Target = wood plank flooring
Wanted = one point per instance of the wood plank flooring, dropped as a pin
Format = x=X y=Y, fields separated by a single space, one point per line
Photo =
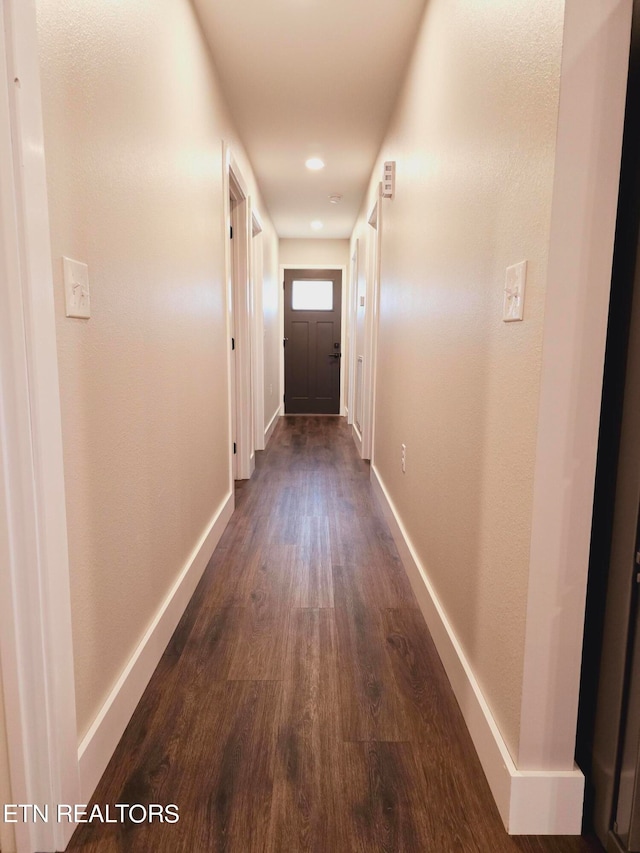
x=301 y=705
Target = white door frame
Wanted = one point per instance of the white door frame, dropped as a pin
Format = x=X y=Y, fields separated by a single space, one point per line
x=35 y=612
x=352 y=332
x=257 y=311
x=7 y=835
x=372 y=304
x=239 y=308
x=343 y=324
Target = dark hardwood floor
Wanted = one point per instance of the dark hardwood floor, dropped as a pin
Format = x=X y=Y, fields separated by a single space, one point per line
x=301 y=705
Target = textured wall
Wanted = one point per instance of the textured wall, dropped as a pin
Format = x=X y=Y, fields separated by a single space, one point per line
x=474 y=140
x=315 y=252
x=134 y=123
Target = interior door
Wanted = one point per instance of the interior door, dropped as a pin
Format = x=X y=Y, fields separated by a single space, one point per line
x=627 y=816
x=609 y=717
x=312 y=327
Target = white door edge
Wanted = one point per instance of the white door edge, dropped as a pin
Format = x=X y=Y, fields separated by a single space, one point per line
x=35 y=611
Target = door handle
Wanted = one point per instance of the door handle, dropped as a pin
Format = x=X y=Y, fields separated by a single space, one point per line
x=335 y=355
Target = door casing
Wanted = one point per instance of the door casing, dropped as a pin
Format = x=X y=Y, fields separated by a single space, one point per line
x=345 y=356
x=349 y=346
x=363 y=433
x=321 y=366
x=257 y=313
x=35 y=611
x=240 y=319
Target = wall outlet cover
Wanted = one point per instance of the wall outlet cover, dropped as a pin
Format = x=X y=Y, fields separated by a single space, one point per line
x=513 y=302
x=76 y=288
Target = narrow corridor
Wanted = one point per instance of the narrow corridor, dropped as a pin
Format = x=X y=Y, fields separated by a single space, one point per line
x=301 y=704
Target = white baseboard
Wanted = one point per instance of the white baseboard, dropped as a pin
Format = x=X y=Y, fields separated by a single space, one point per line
x=273 y=423
x=541 y=802
x=100 y=742
x=357 y=439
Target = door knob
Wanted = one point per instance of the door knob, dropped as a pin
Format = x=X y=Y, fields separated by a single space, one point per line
x=335 y=354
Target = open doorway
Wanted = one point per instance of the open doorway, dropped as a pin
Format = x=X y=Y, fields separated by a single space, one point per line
x=609 y=721
x=609 y=713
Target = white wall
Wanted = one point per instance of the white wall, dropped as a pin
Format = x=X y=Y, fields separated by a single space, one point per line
x=314 y=252
x=134 y=123
x=500 y=420
x=474 y=142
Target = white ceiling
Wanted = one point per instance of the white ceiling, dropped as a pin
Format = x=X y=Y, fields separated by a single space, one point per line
x=310 y=78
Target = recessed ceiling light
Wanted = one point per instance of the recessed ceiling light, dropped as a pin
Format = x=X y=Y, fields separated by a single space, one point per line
x=316 y=225
x=314 y=163
x=335 y=199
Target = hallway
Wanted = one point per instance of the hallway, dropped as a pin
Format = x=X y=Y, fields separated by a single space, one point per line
x=300 y=704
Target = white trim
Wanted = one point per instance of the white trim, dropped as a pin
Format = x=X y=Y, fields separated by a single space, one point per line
x=343 y=338
x=7 y=834
x=231 y=165
x=273 y=423
x=352 y=310
x=228 y=290
x=256 y=222
x=100 y=742
x=35 y=613
x=256 y=256
x=343 y=320
x=240 y=321
x=357 y=438
x=281 y=341
x=530 y=802
x=589 y=142
x=371 y=324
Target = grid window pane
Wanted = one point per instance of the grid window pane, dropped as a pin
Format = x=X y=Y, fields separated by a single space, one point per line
x=312 y=295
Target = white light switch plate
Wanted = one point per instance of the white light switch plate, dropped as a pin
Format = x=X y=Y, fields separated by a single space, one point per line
x=76 y=288
x=513 y=304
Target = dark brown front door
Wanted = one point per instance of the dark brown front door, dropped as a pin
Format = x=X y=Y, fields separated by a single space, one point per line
x=312 y=314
